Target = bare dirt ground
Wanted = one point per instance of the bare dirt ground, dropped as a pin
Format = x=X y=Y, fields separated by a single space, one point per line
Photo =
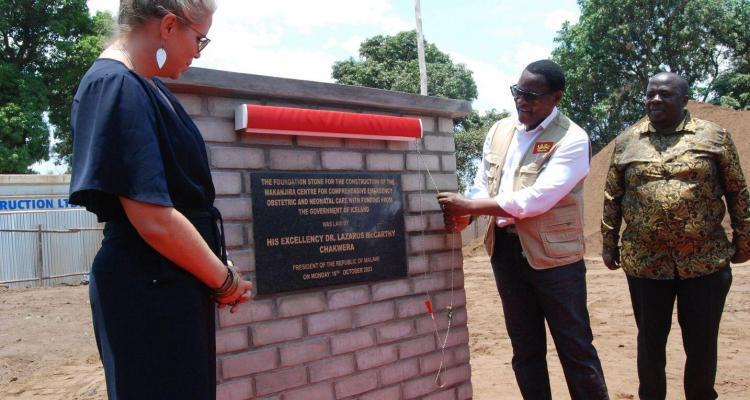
x=47 y=346
x=614 y=337
x=47 y=349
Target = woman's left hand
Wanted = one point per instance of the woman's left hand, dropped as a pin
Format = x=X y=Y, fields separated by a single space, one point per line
x=242 y=294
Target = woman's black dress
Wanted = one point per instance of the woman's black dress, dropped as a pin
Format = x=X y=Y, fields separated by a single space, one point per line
x=154 y=322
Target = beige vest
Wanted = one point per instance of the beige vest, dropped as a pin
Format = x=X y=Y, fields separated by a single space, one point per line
x=554 y=238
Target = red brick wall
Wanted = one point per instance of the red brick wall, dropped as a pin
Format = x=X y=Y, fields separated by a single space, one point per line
x=369 y=340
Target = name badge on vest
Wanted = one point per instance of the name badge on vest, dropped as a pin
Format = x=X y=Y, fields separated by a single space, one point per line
x=542 y=147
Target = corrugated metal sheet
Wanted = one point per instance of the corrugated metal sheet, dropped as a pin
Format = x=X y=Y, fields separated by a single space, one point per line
x=47 y=247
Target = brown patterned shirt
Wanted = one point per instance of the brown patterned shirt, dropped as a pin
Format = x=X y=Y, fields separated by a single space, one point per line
x=668 y=188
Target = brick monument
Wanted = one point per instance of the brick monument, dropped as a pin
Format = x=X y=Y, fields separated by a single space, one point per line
x=367 y=340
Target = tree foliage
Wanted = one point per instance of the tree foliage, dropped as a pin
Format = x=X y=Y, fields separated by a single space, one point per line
x=732 y=87
x=470 y=134
x=390 y=62
x=45 y=49
x=65 y=71
x=609 y=55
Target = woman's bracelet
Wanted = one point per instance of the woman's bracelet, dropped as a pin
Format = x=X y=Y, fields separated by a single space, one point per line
x=227 y=281
x=230 y=284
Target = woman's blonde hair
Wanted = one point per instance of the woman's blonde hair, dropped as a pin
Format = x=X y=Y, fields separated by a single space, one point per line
x=134 y=13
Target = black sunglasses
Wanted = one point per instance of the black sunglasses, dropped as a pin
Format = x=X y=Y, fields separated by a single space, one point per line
x=516 y=92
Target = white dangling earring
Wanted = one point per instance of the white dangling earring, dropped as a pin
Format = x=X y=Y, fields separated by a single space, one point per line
x=161 y=57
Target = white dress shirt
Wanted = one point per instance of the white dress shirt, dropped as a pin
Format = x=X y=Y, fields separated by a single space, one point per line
x=566 y=167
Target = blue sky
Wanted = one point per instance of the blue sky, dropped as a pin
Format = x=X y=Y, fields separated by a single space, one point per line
x=302 y=39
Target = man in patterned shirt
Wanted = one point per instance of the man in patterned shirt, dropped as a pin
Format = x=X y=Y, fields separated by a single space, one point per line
x=667 y=178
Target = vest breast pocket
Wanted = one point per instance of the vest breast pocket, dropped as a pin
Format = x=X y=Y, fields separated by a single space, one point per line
x=527 y=174
x=561 y=232
x=494 y=170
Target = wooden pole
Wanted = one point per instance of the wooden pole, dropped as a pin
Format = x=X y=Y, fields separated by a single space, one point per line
x=420 y=50
x=39 y=257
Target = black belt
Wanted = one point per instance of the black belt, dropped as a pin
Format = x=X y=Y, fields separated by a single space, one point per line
x=215 y=216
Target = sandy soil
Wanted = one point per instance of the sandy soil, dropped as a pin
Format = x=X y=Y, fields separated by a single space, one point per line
x=614 y=337
x=47 y=346
x=47 y=349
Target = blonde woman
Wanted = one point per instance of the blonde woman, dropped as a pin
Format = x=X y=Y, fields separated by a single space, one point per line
x=139 y=164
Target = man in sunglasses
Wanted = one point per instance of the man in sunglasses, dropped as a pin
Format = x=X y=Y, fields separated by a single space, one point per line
x=530 y=182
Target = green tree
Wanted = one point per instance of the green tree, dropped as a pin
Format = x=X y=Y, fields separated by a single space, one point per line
x=23 y=132
x=470 y=134
x=390 y=62
x=46 y=47
x=609 y=55
x=65 y=70
x=732 y=87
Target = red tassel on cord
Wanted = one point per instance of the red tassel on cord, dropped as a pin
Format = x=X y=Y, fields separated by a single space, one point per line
x=428 y=305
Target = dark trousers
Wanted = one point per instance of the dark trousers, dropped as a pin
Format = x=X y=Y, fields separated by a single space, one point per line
x=557 y=295
x=700 y=302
